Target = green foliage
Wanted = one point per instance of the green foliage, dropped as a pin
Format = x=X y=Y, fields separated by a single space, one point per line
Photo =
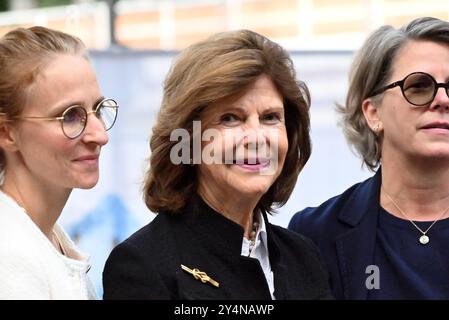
x=4 y=5
x=52 y=3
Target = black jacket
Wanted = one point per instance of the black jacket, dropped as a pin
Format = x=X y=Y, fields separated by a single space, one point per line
x=148 y=264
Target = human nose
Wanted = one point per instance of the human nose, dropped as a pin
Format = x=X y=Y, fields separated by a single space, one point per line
x=95 y=130
x=254 y=134
x=441 y=99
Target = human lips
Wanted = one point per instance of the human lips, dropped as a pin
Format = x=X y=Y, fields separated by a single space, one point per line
x=252 y=164
x=88 y=159
x=438 y=127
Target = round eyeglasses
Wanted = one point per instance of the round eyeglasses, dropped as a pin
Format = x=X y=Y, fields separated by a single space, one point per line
x=74 y=119
x=418 y=88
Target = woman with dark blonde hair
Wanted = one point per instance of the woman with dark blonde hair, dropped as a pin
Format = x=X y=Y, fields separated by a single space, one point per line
x=231 y=137
x=53 y=123
x=386 y=238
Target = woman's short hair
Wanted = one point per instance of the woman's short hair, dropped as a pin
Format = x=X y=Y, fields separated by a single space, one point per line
x=23 y=53
x=371 y=68
x=219 y=68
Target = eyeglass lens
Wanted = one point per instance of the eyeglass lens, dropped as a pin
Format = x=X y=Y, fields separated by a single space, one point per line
x=107 y=113
x=74 y=121
x=75 y=118
x=419 y=88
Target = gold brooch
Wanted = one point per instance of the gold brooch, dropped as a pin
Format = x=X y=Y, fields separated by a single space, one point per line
x=200 y=275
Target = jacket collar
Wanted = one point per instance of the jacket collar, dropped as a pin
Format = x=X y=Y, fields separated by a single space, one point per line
x=355 y=247
x=223 y=234
x=363 y=201
x=225 y=237
x=218 y=230
x=212 y=227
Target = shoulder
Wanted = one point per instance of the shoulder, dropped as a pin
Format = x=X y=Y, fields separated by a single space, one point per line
x=303 y=261
x=326 y=215
x=288 y=236
x=139 y=267
x=150 y=239
x=19 y=239
x=151 y=234
x=22 y=269
x=289 y=239
x=25 y=261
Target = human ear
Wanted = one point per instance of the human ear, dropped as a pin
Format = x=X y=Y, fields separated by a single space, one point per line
x=372 y=115
x=7 y=137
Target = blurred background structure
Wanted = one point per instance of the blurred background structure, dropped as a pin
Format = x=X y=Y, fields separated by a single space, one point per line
x=133 y=43
x=174 y=24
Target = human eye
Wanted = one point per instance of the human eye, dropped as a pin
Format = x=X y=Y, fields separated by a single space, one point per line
x=74 y=114
x=229 y=119
x=418 y=83
x=419 y=86
x=272 y=117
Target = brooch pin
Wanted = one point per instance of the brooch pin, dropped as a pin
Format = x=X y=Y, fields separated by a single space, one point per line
x=200 y=275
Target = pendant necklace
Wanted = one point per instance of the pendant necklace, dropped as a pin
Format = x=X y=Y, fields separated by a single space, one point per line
x=424 y=238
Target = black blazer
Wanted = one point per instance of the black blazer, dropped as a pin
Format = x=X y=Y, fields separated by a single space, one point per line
x=344 y=229
x=148 y=264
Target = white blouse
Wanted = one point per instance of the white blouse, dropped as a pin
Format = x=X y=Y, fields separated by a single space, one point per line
x=31 y=267
x=260 y=252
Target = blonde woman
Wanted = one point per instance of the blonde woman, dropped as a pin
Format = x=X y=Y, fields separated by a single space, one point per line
x=53 y=124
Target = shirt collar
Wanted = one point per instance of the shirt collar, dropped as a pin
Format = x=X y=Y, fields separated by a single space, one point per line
x=262 y=231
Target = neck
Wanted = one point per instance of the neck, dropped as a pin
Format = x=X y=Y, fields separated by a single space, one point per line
x=239 y=209
x=422 y=193
x=42 y=202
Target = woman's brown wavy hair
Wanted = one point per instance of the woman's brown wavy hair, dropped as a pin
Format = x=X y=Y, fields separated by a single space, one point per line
x=222 y=67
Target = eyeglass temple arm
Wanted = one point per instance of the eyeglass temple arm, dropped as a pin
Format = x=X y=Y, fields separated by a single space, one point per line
x=391 y=85
x=60 y=118
x=93 y=111
x=40 y=118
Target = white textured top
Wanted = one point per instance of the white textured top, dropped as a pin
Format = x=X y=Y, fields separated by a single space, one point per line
x=260 y=252
x=31 y=267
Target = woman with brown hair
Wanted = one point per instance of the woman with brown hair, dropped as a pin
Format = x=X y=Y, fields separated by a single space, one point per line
x=53 y=123
x=243 y=120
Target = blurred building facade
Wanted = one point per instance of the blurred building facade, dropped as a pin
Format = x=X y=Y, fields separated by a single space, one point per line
x=174 y=24
x=100 y=218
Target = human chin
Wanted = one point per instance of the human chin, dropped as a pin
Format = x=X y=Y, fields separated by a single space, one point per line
x=437 y=150
x=252 y=184
x=87 y=181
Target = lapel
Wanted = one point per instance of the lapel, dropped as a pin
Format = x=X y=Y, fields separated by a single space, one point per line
x=281 y=283
x=212 y=243
x=281 y=266
x=355 y=248
x=216 y=232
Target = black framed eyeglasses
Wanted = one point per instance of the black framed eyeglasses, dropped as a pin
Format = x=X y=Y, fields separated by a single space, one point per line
x=74 y=119
x=418 y=88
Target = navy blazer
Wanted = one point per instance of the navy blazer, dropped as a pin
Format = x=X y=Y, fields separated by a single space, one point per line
x=344 y=229
x=148 y=264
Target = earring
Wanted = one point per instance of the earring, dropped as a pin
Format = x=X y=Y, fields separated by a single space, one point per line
x=377 y=128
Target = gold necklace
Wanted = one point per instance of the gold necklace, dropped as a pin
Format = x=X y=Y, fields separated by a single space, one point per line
x=424 y=238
